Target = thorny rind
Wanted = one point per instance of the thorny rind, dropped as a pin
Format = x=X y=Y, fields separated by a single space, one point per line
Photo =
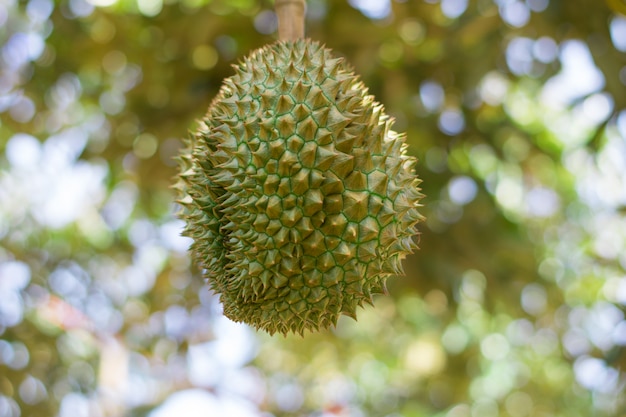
x=300 y=199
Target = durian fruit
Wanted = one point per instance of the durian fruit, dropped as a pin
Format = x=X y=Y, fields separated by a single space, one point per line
x=299 y=197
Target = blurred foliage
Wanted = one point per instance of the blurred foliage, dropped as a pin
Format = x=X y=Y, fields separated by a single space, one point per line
x=514 y=306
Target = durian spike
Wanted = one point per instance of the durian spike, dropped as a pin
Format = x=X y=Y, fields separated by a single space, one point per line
x=290 y=19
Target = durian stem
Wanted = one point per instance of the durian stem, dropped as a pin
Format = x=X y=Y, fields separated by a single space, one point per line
x=290 y=19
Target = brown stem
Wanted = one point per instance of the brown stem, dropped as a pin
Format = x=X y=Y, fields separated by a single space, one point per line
x=290 y=19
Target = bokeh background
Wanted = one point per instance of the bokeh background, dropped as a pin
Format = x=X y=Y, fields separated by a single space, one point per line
x=514 y=305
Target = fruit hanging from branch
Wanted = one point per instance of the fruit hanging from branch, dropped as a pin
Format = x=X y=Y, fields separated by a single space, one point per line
x=300 y=199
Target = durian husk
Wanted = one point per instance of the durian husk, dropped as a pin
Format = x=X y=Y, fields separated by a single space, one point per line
x=300 y=199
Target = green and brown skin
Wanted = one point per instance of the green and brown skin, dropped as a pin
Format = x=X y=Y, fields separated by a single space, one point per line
x=300 y=199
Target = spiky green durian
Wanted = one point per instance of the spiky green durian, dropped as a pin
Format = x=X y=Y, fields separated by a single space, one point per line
x=300 y=199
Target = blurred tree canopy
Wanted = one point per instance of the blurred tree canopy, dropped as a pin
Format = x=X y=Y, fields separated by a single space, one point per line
x=514 y=305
